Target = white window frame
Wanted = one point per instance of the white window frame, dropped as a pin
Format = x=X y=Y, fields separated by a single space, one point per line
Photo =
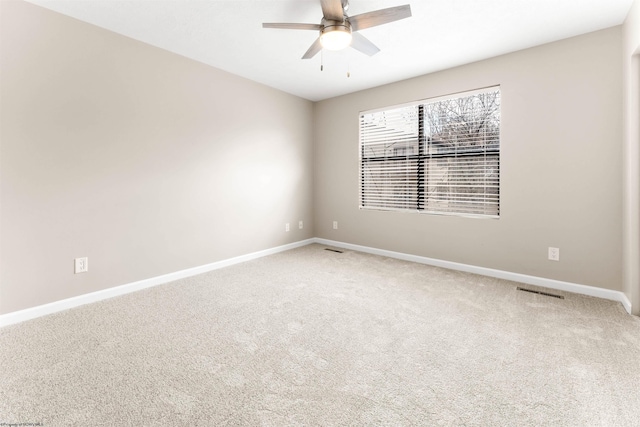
x=436 y=156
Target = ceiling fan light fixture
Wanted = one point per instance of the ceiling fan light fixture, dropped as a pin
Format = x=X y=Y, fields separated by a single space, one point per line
x=336 y=37
x=338 y=31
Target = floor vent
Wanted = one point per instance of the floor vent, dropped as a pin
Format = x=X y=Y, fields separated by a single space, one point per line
x=547 y=294
x=332 y=250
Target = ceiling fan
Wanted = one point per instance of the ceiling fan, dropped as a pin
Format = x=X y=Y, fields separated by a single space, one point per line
x=337 y=30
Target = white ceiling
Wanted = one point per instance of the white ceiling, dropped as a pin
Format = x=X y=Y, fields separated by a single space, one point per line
x=228 y=34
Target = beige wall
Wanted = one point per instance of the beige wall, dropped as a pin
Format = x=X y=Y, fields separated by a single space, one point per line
x=631 y=155
x=144 y=161
x=560 y=166
x=149 y=163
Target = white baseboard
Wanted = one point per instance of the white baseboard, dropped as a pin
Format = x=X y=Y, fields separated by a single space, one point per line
x=516 y=277
x=54 y=307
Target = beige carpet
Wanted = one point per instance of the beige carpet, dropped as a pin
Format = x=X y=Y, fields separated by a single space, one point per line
x=317 y=338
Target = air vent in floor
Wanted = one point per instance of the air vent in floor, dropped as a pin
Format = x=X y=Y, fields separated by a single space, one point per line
x=547 y=294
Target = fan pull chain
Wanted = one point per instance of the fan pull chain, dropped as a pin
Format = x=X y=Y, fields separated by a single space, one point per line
x=322 y=60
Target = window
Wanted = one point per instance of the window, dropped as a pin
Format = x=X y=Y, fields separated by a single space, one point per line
x=434 y=156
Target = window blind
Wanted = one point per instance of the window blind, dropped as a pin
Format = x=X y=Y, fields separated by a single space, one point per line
x=433 y=156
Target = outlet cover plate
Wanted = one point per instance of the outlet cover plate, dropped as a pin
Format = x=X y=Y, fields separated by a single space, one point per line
x=81 y=265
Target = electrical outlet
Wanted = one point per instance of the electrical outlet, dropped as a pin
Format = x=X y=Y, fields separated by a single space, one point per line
x=81 y=265
x=335 y=225
x=554 y=254
x=300 y=224
x=286 y=227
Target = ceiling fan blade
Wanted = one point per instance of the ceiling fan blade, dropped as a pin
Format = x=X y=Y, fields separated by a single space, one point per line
x=362 y=44
x=379 y=17
x=332 y=9
x=285 y=26
x=315 y=48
